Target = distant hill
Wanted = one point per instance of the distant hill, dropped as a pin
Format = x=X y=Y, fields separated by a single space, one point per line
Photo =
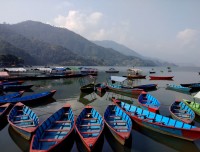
x=41 y=53
x=7 y=49
x=52 y=45
x=76 y=43
x=118 y=47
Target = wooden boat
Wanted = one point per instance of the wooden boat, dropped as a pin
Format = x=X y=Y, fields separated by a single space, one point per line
x=134 y=73
x=180 y=111
x=123 y=89
x=178 y=88
x=161 y=77
x=12 y=95
x=30 y=99
x=4 y=109
x=149 y=102
x=54 y=131
x=89 y=88
x=11 y=82
x=118 y=122
x=112 y=70
x=16 y=87
x=194 y=86
x=146 y=87
x=23 y=120
x=89 y=127
x=100 y=87
x=159 y=123
x=194 y=105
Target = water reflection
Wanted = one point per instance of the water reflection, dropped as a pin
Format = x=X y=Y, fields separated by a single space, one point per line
x=175 y=143
x=87 y=98
x=115 y=145
x=22 y=143
x=3 y=123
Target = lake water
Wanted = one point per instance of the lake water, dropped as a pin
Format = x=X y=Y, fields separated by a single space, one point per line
x=68 y=91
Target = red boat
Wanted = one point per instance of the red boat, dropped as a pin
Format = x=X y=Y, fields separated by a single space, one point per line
x=161 y=77
x=160 y=123
x=89 y=126
x=23 y=120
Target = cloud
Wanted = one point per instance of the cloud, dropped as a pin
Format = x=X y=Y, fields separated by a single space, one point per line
x=189 y=36
x=94 y=26
x=79 y=22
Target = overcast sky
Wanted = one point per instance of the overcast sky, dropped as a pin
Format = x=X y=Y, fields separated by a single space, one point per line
x=164 y=29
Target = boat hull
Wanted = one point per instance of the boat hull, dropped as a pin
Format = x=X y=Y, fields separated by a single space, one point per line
x=159 y=123
x=161 y=77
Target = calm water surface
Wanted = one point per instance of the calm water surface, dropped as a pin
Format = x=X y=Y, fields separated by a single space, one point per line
x=68 y=91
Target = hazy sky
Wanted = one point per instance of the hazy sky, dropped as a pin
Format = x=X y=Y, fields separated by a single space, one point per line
x=164 y=29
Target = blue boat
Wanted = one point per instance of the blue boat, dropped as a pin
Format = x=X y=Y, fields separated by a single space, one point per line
x=16 y=87
x=30 y=99
x=4 y=109
x=89 y=127
x=178 y=88
x=148 y=102
x=23 y=120
x=180 y=111
x=54 y=131
x=118 y=122
x=12 y=95
x=160 y=123
x=11 y=82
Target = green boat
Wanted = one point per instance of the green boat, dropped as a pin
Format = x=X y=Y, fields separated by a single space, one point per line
x=194 y=105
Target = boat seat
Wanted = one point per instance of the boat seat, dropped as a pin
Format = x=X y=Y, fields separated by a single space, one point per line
x=29 y=120
x=89 y=125
x=22 y=115
x=113 y=122
x=115 y=116
x=65 y=121
x=49 y=140
x=120 y=128
x=92 y=132
x=90 y=119
x=25 y=126
x=57 y=130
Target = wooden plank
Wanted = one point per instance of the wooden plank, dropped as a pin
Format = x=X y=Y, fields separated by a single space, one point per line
x=115 y=116
x=29 y=120
x=57 y=130
x=21 y=116
x=90 y=119
x=121 y=128
x=50 y=140
x=87 y=125
x=90 y=132
x=117 y=121
x=64 y=121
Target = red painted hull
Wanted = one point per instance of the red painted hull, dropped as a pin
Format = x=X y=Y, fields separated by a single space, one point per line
x=161 y=77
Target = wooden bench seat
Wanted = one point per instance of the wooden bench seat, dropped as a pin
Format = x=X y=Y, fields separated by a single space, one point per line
x=49 y=140
x=64 y=121
x=29 y=120
x=87 y=125
x=90 y=132
x=22 y=116
x=57 y=130
x=90 y=119
x=117 y=122
x=121 y=128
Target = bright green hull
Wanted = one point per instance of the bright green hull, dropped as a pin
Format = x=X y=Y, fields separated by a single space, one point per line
x=193 y=105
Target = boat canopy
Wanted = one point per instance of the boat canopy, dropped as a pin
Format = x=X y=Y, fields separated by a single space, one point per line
x=117 y=78
x=197 y=95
